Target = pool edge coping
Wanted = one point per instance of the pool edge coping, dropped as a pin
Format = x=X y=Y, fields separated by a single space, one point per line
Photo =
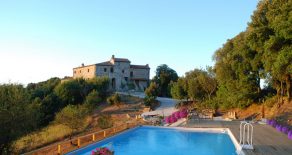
x=238 y=148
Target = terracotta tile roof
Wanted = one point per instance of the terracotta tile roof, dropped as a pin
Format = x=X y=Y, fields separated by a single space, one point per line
x=121 y=60
x=107 y=63
x=140 y=66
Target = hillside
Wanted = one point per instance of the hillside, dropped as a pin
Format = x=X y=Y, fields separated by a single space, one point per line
x=282 y=113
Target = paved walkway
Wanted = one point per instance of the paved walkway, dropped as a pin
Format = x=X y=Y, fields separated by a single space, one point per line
x=267 y=140
x=166 y=108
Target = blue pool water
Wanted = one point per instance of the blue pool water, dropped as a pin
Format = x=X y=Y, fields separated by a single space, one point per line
x=164 y=141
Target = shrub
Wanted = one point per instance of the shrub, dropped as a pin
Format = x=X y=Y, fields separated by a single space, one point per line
x=114 y=99
x=290 y=134
x=272 y=123
x=148 y=100
x=183 y=113
x=73 y=116
x=102 y=151
x=93 y=98
x=285 y=129
x=105 y=121
x=177 y=115
x=167 y=119
x=173 y=119
x=279 y=128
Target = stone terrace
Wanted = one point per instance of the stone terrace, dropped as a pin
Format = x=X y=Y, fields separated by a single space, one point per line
x=267 y=140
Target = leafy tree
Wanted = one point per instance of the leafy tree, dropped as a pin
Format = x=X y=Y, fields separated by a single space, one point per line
x=17 y=116
x=208 y=82
x=164 y=76
x=179 y=89
x=194 y=89
x=42 y=89
x=238 y=79
x=73 y=116
x=269 y=34
x=93 y=98
x=50 y=105
x=69 y=92
x=152 y=90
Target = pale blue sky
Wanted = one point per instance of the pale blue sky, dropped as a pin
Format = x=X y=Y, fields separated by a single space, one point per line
x=40 y=39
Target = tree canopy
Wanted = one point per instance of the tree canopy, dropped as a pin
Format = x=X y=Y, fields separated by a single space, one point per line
x=164 y=76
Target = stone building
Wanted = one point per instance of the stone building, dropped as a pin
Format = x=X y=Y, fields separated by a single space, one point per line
x=121 y=73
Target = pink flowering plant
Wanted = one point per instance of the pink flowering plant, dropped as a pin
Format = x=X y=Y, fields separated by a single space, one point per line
x=102 y=151
x=176 y=116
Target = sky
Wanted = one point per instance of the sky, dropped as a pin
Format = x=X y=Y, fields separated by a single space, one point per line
x=48 y=38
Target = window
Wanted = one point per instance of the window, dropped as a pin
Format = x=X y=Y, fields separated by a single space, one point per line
x=104 y=69
x=123 y=71
x=131 y=74
x=80 y=71
x=74 y=72
x=126 y=79
x=112 y=70
x=87 y=70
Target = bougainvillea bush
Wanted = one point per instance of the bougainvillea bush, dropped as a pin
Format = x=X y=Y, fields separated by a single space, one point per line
x=176 y=116
x=102 y=151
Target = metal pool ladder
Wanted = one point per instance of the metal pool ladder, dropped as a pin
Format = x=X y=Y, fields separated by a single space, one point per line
x=246 y=135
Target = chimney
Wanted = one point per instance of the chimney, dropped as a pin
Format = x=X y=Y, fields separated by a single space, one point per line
x=113 y=56
x=82 y=65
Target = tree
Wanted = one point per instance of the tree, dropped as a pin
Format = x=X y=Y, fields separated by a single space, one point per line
x=194 y=89
x=73 y=116
x=152 y=90
x=179 y=89
x=17 y=116
x=237 y=75
x=164 y=76
x=93 y=98
x=69 y=92
x=208 y=82
x=269 y=34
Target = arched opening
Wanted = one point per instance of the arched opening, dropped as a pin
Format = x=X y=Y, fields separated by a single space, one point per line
x=113 y=83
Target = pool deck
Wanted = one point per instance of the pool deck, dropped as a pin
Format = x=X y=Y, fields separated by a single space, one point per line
x=267 y=140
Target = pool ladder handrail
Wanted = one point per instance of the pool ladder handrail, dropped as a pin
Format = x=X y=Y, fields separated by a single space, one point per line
x=246 y=135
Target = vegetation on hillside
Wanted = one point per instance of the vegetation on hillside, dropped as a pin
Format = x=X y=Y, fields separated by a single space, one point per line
x=261 y=52
x=27 y=109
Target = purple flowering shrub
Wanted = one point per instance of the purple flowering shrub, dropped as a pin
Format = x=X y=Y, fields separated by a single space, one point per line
x=279 y=128
x=290 y=134
x=272 y=123
x=285 y=129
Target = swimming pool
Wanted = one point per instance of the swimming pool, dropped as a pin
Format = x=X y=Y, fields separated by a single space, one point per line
x=146 y=140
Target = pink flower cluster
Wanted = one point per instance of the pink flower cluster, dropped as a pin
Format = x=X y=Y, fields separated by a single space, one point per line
x=102 y=151
x=176 y=116
x=280 y=128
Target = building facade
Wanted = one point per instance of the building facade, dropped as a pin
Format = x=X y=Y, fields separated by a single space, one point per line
x=121 y=73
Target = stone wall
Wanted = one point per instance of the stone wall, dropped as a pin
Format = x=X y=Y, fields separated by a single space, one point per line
x=86 y=72
x=119 y=71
